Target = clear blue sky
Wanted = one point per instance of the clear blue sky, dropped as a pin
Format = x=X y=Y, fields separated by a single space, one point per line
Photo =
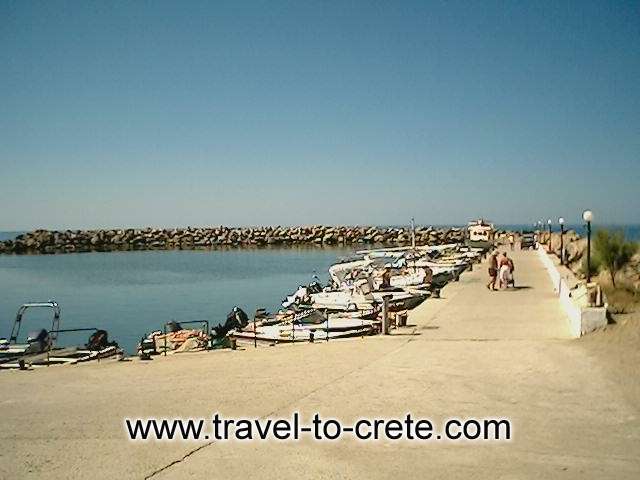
x=243 y=113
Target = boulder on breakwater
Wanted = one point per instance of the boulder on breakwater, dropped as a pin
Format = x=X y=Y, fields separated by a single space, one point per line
x=191 y=238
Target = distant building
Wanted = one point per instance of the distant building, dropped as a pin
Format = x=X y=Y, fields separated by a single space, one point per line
x=480 y=233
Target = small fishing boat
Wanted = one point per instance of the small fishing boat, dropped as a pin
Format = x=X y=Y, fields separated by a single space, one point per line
x=344 y=300
x=308 y=326
x=40 y=347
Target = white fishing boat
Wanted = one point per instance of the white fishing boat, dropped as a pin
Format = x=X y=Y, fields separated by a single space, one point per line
x=346 y=300
x=316 y=326
x=40 y=348
x=340 y=271
x=417 y=277
x=341 y=300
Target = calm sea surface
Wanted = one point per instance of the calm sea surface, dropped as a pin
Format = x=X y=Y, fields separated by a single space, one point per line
x=130 y=293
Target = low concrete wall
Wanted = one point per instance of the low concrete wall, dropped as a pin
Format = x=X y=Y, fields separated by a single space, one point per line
x=582 y=319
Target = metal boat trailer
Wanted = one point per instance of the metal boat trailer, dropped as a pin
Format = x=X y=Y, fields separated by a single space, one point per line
x=58 y=356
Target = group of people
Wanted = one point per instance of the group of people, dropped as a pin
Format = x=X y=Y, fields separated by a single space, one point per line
x=501 y=269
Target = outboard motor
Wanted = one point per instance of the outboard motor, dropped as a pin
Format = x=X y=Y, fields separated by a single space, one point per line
x=99 y=340
x=314 y=287
x=38 y=341
x=236 y=318
x=173 y=326
x=239 y=317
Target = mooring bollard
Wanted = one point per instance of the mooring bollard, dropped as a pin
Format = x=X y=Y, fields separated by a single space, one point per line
x=385 y=314
x=327 y=317
x=165 y=339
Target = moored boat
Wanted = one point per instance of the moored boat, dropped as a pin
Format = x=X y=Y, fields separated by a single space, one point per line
x=41 y=349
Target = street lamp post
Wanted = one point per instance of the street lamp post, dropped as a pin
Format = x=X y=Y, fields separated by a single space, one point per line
x=561 y=222
x=549 y=243
x=587 y=216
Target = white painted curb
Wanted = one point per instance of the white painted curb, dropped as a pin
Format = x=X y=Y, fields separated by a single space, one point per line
x=582 y=320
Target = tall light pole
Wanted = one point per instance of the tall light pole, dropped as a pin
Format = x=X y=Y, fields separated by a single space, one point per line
x=549 y=242
x=561 y=222
x=587 y=216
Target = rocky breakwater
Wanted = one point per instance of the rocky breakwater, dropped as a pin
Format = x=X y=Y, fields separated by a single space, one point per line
x=68 y=241
x=574 y=245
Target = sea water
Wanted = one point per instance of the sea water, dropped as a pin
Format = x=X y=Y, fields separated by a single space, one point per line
x=131 y=293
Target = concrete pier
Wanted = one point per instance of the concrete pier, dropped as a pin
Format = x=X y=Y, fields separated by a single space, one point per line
x=472 y=353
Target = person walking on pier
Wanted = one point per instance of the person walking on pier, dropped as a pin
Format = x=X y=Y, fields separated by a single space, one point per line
x=505 y=271
x=493 y=271
x=512 y=267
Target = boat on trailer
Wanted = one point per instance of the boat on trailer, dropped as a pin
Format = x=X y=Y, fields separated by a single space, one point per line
x=341 y=300
x=307 y=326
x=40 y=348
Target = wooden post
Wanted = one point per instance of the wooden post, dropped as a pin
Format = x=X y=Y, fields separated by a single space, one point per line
x=165 y=339
x=385 y=314
x=326 y=314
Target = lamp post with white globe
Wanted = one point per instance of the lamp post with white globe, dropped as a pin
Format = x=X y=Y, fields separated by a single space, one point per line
x=587 y=216
x=561 y=222
x=549 y=242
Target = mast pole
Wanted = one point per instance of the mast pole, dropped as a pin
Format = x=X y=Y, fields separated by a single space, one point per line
x=413 y=233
